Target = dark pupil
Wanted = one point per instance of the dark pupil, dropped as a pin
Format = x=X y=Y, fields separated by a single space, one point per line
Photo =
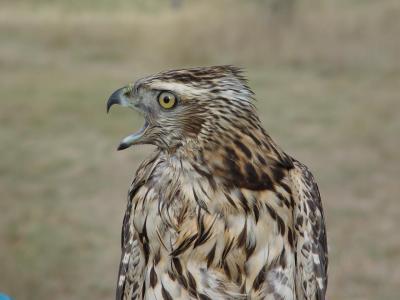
x=166 y=99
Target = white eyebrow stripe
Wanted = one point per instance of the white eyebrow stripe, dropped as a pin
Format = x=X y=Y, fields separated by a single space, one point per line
x=177 y=87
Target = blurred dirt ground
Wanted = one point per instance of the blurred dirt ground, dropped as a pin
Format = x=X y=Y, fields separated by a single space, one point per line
x=327 y=79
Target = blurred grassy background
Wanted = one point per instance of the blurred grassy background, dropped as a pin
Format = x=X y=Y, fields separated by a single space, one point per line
x=327 y=79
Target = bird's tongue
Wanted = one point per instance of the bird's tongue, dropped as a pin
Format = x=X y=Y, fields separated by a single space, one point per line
x=133 y=138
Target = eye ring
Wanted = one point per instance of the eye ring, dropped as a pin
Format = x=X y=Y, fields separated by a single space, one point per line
x=167 y=100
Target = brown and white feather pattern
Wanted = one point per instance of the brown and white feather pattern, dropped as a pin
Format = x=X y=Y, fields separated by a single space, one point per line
x=224 y=213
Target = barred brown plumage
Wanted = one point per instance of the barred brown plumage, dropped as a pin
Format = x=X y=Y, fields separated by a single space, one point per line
x=219 y=211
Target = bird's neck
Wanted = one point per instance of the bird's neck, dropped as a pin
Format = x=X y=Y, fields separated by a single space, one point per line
x=246 y=158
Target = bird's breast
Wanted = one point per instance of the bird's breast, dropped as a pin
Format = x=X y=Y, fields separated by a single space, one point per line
x=192 y=233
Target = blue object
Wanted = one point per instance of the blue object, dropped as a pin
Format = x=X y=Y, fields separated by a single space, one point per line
x=4 y=297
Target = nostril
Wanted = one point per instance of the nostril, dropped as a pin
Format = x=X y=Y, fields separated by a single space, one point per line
x=128 y=91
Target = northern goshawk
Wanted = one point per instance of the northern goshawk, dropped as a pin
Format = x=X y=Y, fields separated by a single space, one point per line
x=219 y=211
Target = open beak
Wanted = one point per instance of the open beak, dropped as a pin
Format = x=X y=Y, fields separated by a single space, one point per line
x=119 y=97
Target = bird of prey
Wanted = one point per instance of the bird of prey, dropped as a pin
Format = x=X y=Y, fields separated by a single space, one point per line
x=218 y=211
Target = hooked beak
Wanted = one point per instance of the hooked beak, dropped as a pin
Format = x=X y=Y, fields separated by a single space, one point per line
x=115 y=98
x=119 y=97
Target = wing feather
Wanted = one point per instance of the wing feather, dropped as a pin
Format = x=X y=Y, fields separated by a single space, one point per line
x=310 y=235
x=127 y=287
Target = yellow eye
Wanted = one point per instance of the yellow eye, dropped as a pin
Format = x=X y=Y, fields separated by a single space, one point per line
x=167 y=100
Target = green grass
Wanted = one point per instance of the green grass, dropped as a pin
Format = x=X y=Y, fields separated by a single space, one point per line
x=327 y=83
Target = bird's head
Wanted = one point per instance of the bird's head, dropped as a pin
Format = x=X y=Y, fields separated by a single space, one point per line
x=187 y=104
